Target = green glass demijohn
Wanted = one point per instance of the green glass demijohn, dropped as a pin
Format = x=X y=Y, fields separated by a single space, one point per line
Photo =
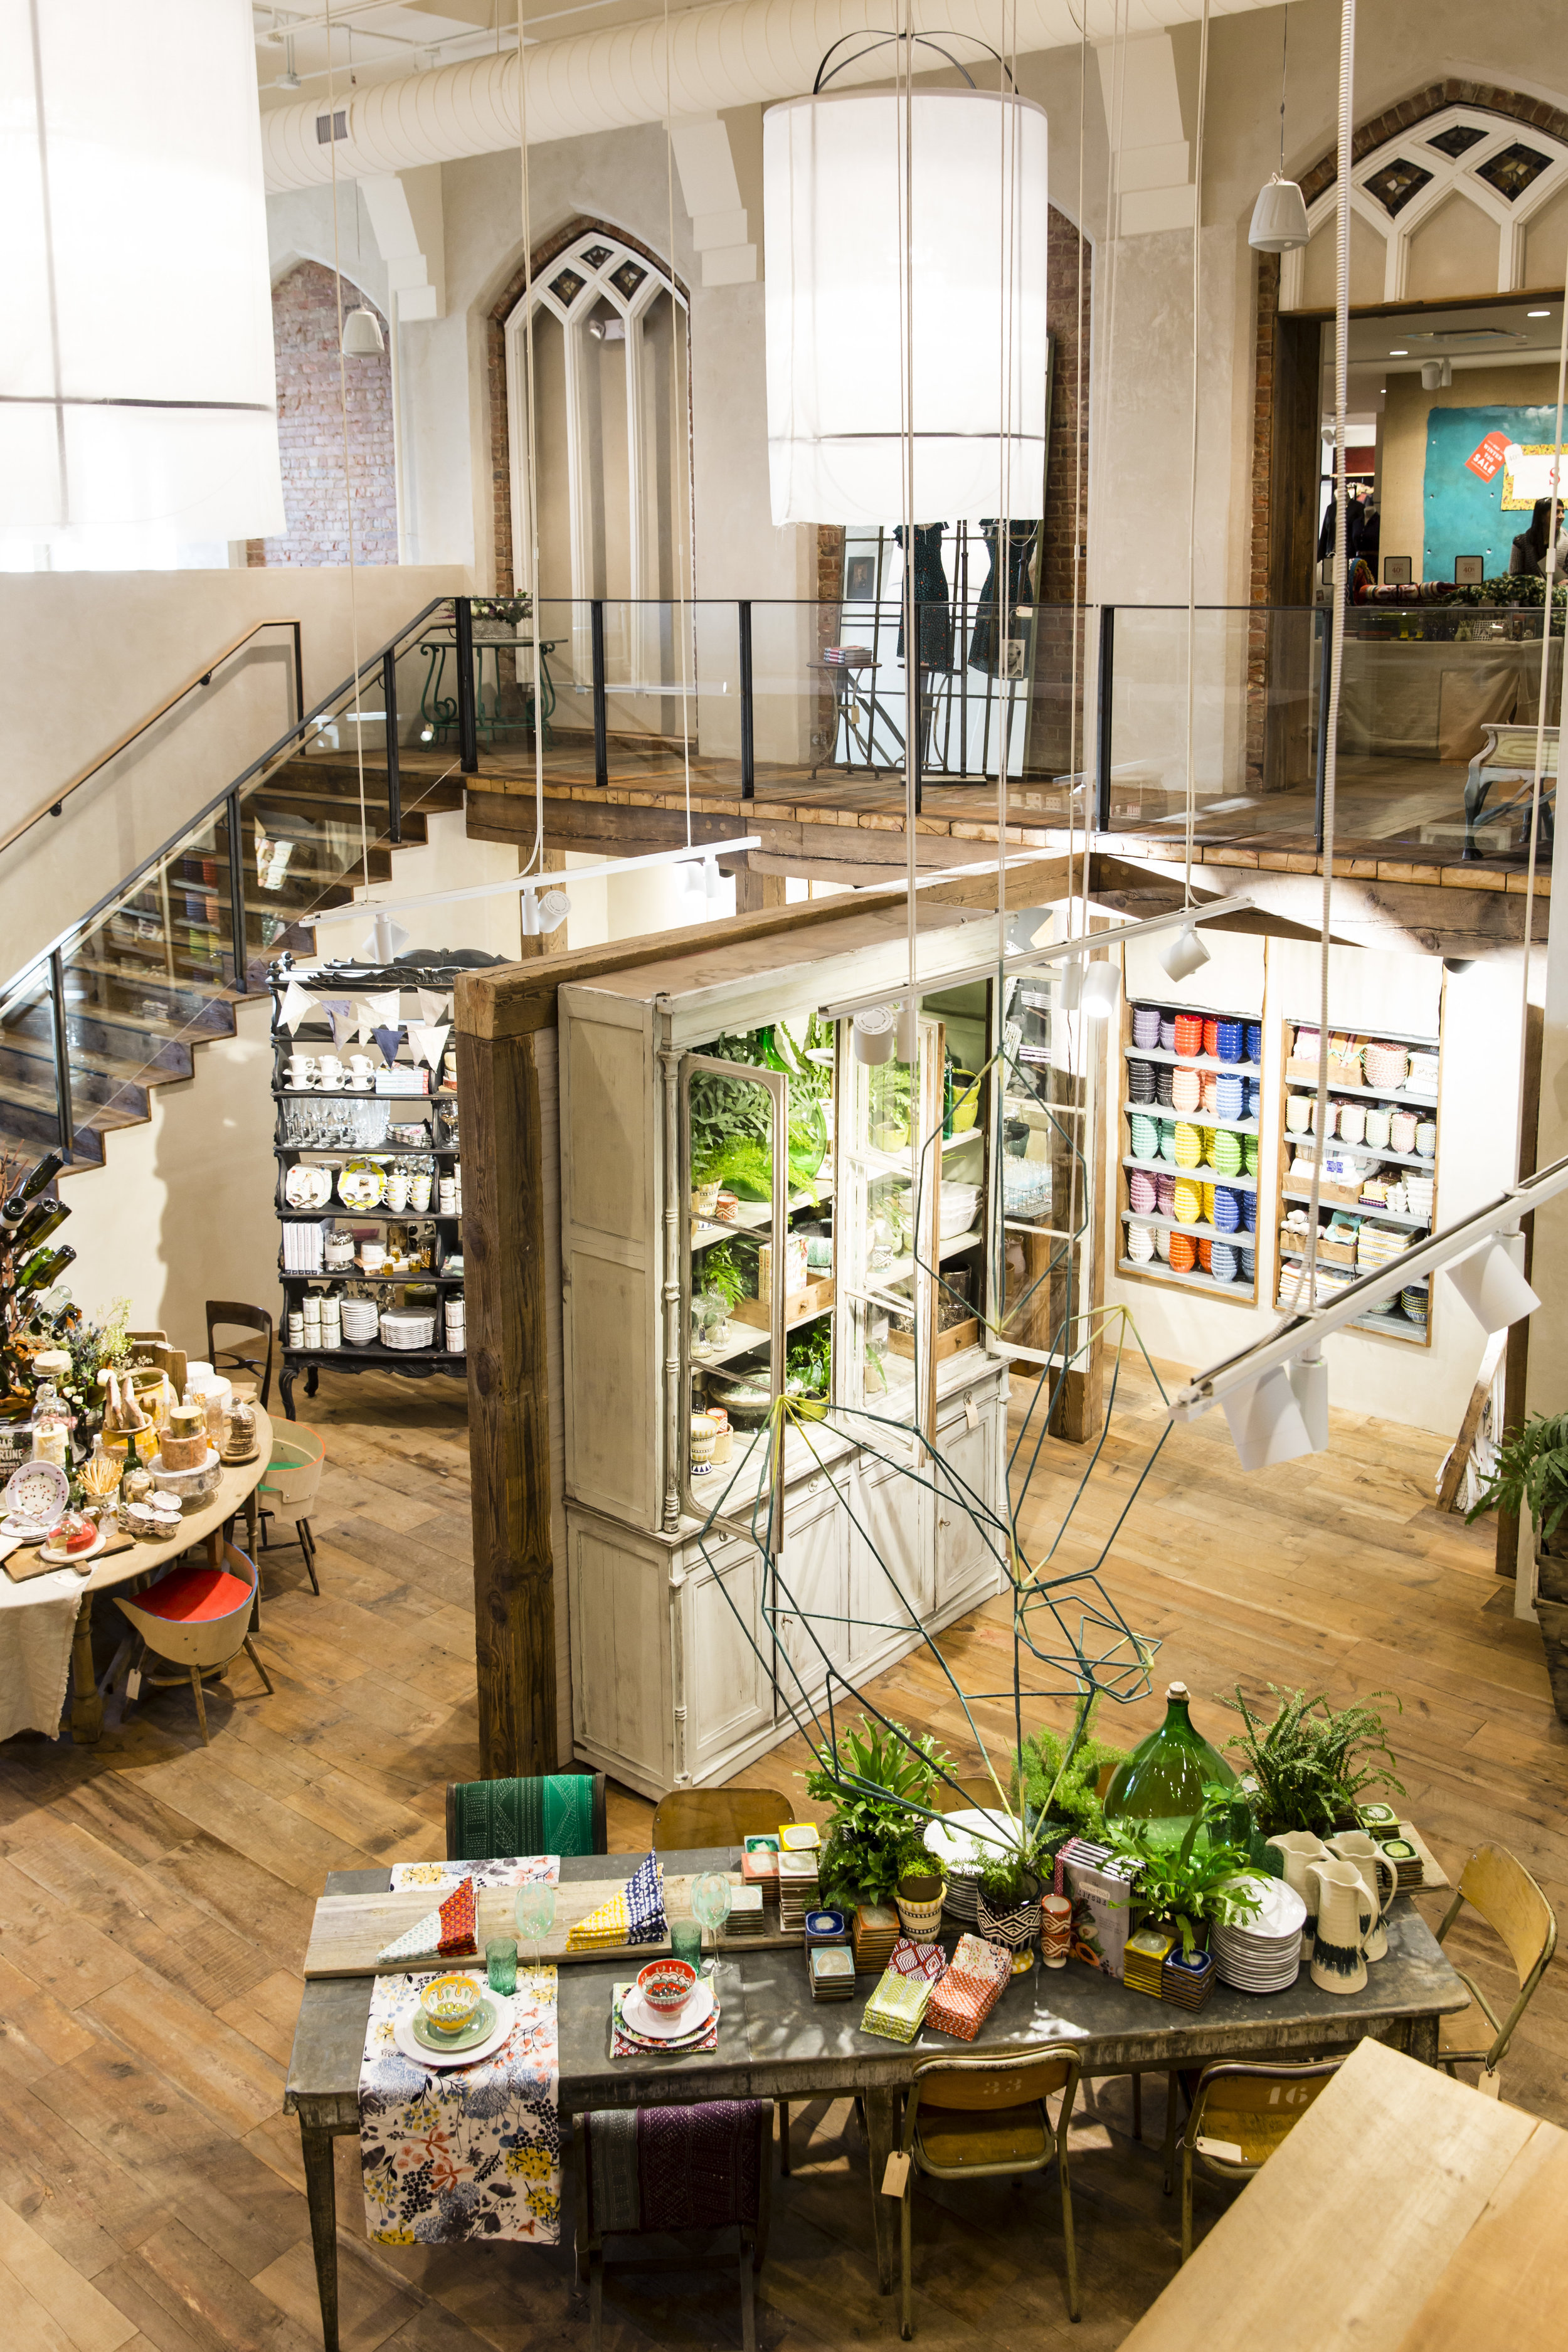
x=1161 y=1786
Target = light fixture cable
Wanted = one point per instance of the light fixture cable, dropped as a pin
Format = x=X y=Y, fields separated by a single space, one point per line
x=1192 y=808
x=530 y=455
x=676 y=407
x=355 y=721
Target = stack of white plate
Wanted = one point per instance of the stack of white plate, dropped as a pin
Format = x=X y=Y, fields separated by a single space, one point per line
x=400 y=1329
x=359 y=1321
x=1262 y=1954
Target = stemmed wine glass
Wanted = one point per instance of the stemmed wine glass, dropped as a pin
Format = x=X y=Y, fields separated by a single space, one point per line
x=535 y=1912
x=712 y=1900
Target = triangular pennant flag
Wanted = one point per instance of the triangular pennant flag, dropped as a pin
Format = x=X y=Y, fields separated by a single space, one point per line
x=297 y=1006
x=345 y=1028
x=389 y=1041
x=433 y=1006
x=335 y=1004
x=429 y=1043
x=448 y=1933
x=378 y=1012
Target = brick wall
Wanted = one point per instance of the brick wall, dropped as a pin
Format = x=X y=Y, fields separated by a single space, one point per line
x=310 y=431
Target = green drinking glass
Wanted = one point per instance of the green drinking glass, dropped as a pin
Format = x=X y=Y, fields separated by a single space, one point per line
x=501 y=1964
x=686 y=1942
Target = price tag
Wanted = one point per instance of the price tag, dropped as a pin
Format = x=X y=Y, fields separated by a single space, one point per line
x=971 y=1413
x=1225 y=2150
x=896 y=2178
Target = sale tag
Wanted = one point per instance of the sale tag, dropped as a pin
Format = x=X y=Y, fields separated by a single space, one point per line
x=1487 y=458
x=896 y=2178
x=971 y=1413
x=1225 y=2150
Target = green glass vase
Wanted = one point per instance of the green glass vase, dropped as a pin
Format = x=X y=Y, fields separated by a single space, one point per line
x=1160 y=1787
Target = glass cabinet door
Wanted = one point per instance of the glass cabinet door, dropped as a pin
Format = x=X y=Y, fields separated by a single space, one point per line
x=1042 y=1190
x=888 y=1191
x=733 y=1118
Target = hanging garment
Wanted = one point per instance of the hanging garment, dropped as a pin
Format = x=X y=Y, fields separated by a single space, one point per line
x=984 y=647
x=931 y=595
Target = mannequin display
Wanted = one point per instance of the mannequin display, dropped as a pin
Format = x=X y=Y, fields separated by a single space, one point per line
x=1526 y=557
x=932 y=595
x=984 y=649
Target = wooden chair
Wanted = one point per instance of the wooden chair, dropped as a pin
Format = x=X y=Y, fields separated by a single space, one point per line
x=1250 y=2109
x=697 y=1817
x=255 y=1319
x=561 y=1812
x=199 y=1619
x=975 y=2118
x=647 y=2169
x=1514 y=1907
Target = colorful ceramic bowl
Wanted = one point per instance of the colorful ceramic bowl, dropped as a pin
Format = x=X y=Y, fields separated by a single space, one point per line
x=450 y=2003
x=667 y=1986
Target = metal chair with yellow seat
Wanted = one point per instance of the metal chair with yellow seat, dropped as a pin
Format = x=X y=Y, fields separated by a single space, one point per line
x=975 y=2118
x=1500 y=1888
x=1240 y=2114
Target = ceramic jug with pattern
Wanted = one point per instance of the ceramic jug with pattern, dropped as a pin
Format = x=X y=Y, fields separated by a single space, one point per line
x=1345 y=1916
x=1379 y=1877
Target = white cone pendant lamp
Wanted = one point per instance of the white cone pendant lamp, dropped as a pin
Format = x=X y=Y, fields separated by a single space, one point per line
x=1491 y=1283
x=363 y=337
x=1267 y=1424
x=833 y=173
x=1278 y=218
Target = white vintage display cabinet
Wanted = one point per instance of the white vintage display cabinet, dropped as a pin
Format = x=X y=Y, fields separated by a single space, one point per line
x=895 y=1246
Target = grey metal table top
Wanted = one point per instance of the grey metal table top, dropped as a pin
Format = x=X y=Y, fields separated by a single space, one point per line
x=775 y=2041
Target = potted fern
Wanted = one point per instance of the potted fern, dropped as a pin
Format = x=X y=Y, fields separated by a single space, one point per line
x=1312 y=1765
x=881 y=1783
x=1007 y=1901
x=1187 y=1888
x=1530 y=1474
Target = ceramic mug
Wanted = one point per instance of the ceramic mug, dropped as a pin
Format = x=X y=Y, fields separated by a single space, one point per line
x=397 y=1192
x=361 y=1065
x=1377 y=1129
x=1353 y=1123
x=419 y=1194
x=1297 y=1112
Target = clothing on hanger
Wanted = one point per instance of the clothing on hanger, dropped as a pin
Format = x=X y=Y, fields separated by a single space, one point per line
x=984 y=644
x=930 y=595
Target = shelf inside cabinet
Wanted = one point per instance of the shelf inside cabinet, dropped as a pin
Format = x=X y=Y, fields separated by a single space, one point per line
x=342 y=1214
x=754 y=1336
x=287 y=1147
x=357 y=1273
x=1204 y=1175
x=1357 y=1209
x=1195 y=1280
x=1397 y=1098
x=1192 y=1118
x=1191 y=1062
x=1239 y=1239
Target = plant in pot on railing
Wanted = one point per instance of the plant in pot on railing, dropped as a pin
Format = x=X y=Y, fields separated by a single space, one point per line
x=1185 y=1888
x=881 y=1785
x=1530 y=1474
x=1312 y=1766
x=500 y=616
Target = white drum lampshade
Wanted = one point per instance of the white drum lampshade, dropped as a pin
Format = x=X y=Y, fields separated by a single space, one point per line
x=139 y=408
x=1278 y=218
x=832 y=180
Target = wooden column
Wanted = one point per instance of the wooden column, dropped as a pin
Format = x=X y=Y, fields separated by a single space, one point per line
x=755 y=892
x=508 y=1430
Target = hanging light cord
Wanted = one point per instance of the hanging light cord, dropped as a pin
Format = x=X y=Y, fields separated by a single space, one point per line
x=912 y=715
x=1078 y=744
x=1192 y=808
x=531 y=457
x=1007 y=226
x=1284 y=75
x=355 y=721
x=676 y=406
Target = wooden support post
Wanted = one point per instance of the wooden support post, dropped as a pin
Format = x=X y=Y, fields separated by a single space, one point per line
x=509 y=1422
x=755 y=893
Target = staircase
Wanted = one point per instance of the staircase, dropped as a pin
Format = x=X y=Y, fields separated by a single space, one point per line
x=120 y=1005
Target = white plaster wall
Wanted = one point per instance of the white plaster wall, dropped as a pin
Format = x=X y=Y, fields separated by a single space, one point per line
x=90 y=653
x=1427 y=1387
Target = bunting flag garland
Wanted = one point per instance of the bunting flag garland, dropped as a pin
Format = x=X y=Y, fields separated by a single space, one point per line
x=429 y=1043
x=378 y=1012
x=297 y=1006
x=389 y=1041
x=345 y=1029
x=433 y=1005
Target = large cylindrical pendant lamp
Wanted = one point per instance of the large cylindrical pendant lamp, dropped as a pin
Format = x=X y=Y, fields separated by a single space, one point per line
x=139 y=399
x=833 y=175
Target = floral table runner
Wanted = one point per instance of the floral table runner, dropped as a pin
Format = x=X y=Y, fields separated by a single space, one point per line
x=468 y=2151
x=507 y=1870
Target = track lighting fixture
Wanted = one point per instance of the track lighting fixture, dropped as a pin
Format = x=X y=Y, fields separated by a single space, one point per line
x=1100 y=992
x=1186 y=954
x=1491 y=1283
x=874 y=1030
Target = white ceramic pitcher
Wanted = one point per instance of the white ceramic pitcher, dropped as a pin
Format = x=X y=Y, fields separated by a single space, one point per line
x=1298 y=1850
x=1345 y=1916
x=1379 y=1877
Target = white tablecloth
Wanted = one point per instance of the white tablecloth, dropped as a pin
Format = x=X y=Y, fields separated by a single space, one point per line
x=38 y=1623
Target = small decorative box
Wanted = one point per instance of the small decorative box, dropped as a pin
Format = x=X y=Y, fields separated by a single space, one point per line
x=897 y=2008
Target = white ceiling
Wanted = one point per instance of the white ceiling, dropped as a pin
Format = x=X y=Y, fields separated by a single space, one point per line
x=382 y=40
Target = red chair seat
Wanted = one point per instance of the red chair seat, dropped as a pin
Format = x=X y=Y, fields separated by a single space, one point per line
x=194 y=1596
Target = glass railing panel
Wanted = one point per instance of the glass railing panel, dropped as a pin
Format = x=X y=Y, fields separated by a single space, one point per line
x=29 y=1112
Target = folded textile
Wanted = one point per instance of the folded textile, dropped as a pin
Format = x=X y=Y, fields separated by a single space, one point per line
x=911 y=1959
x=448 y=1933
x=968 y=1992
x=897 y=2007
x=633 y=1914
x=506 y=1869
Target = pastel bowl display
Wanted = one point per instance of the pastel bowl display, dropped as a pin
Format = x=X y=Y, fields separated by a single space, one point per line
x=667 y=1986
x=450 y=2003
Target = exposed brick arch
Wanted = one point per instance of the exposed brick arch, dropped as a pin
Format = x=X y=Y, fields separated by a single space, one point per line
x=1489 y=97
x=310 y=431
x=499 y=311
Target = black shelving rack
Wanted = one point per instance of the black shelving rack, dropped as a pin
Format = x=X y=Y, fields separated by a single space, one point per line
x=355 y=979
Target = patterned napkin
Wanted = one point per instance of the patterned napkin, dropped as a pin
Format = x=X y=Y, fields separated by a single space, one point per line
x=634 y=1915
x=511 y=1870
x=469 y=2151
x=449 y=1932
x=924 y=1960
x=897 y=2007
x=625 y=2042
x=971 y=1988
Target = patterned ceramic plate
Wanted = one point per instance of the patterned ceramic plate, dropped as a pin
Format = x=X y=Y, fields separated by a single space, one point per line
x=658 y=2028
x=361 y=1188
x=405 y=2033
x=35 y=1496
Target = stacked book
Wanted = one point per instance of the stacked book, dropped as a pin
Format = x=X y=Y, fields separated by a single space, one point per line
x=403 y=1078
x=831 y=1967
x=965 y=1997
x=746 y=1916
x=1143 y=1962
x=1187 y=1980
x=875 y=1933
x=798 y=1891
x=897 y=2008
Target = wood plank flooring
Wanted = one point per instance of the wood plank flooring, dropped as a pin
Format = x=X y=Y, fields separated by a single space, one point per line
x=151 y=2195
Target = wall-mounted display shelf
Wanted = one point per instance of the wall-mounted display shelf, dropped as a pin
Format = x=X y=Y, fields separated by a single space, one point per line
x=1377 y=1191
x=1191 y=1092
x=365 y=1230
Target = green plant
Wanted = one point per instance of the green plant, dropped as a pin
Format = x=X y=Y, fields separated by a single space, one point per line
x=1188 y=1885
x=1311 y=1765
x=1056 y=1776
x=721 y=1276
x=880 y=1788
x=732 y=1126
x=1531 y=1472
x=808 y=1364
x=1007 y=1883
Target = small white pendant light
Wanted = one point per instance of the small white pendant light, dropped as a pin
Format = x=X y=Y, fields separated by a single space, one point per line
x=1278 y=218
x=874 y=1030
x=363 y=337
x=1101 y=989
x=1267 y=1424
x=1186 y=954
x=908 y=1032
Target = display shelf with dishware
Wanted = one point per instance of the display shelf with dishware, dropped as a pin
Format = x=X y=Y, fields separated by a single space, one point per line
x=1191 y=1129
x=369 y=1187
x=1377 y=1177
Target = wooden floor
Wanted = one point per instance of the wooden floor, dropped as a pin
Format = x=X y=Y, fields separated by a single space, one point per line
x=149 y=2188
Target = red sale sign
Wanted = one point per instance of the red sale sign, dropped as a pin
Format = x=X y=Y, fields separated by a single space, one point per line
x=1487 y=460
